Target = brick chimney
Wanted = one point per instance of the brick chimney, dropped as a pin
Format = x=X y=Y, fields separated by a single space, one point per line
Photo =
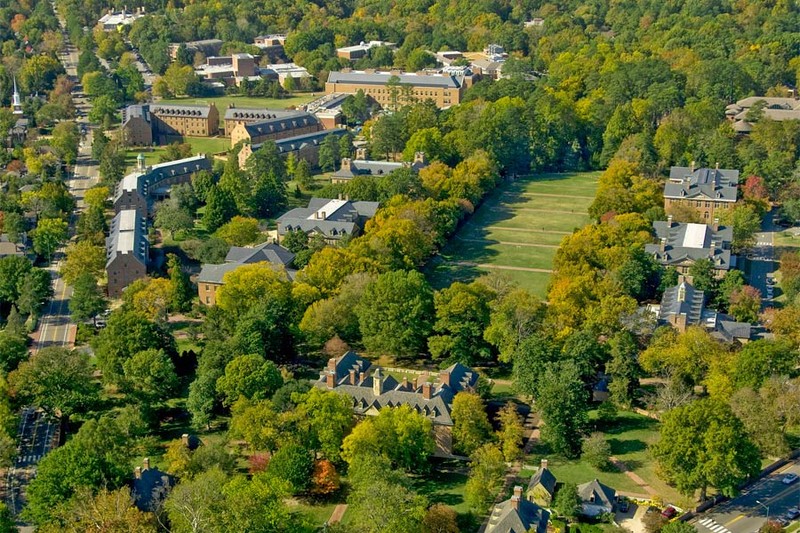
x=426 y=390
x=146 y=463
x=444 y=377
x=361 y=154
x=692 y=167
x=346 y=164
x=377 y=383
x=185 y=439
x=405 y=383
x=137 y=472
x=332 y=364
x=352 y=377
x=361 y=377
x=662 y=244
x=669 y=221
x=516 y=498
x=330 y=379
x=680 y=322
x=543 y=464
x=715 y=225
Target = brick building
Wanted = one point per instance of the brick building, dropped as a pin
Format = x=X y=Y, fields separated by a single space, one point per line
x=127 y=250
x=444 y=89
x=370 y=390
x=707 y=191
x=351 y=168
x=333 y=219
x=235 y=116
x=145 y=124
x=302 y=146
x=682 y=245
x=278 y=126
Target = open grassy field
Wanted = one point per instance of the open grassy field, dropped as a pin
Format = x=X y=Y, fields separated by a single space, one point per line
x=200 y=145
x=517 y=230
x=222 y=102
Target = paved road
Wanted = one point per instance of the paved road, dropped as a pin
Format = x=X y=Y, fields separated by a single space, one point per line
x=744 y=514
x=762 y=259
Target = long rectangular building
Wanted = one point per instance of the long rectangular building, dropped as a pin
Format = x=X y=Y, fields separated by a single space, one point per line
x=127 y=250
x=277 y=126
x=444 y=89
x=302 y=146
x=145 y=124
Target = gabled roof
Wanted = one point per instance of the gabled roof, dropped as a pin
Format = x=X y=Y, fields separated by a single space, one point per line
x=364 y=167
x=545 y=478
x=127 y=234
x=327 y=216
x=528 y=517
x=687 y=243
x=597 y=493
x=145 y=181
x=715 y=184
x=683 y=299
x=291 y=144
x=151 y=488
x=277 y=124
x=190 y=111
x=256 y=114
x=267 y=251
x=8 y=248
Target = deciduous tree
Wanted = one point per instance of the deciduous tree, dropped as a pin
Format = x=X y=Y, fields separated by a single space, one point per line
x=471 y=427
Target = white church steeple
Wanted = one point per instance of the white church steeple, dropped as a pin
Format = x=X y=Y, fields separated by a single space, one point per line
x=16 y=102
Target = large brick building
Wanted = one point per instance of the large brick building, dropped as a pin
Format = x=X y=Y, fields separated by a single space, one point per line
x=139 y=189
x=370 y=390
x=235 y=116
x=302 y=146
x=145 y=124
x=682 y=245
x=277 y=126
x=709 y=192
x=127 y=250
x=444 y=89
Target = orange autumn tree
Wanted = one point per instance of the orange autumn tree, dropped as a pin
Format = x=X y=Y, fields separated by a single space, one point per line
x=325 y=480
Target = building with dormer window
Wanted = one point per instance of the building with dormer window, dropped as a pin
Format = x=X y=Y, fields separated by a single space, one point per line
x=682 y=245
x=333 y=219
x=371 y=389
x=707 y=191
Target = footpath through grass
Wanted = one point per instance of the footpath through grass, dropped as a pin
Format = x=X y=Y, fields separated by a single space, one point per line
x=517 y=230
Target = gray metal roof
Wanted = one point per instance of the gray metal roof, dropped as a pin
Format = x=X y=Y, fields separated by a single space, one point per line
x=596 y=493
x=528 y=517
x=715 y=184
x=127 y=234
x=214 y=273
x=174 y=110
x=256 y=114
x=267 y=251
x=382 y=78
x=277 y=124
x=365 y=167
x=291 y=144
x=144 y=182
x=687 y=243
x=545 y=478
x=328 y=217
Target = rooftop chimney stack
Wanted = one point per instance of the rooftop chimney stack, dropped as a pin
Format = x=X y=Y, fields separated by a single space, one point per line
x=426 y=390
x=692 y=167
x=669 y=221
x=444 y=377
x=361 y=377
x=377 y=383
x=715 y=225
x=361 y=154
x=185 y=439
x=516 y=498
x=137 y=472
x=352 y=377
x=543 y=464
x=146 y=463
x=330 y=379
x=662 y=245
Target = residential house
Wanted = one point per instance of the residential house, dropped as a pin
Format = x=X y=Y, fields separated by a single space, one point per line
x=682 y=245
x=444 y=89
x=276 y=127
x=684 y=305
x=772 y=108
x=150 y=487
x=351 y=168
x=18 y=133
x=362 y=49
x=707 y=191
x=207 y=47
x=139 y=189
x=113 y=21
x=145 y=124
x=542 y=486
x=333 y=219
x=211 y=276
x=234 y=116
x=518 y=515
x=596 y=498
x=127 y=250
x=371 y=390
x=302 y=146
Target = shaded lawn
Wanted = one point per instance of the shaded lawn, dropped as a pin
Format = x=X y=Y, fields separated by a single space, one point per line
x=200 y=145
x=443 y=486
x=501 y=254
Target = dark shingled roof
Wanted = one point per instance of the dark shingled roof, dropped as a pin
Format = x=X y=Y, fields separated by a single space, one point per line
x=545 y=478
x=254 y=114
x=151 y=489
x=392 y=393
x=291 y=144
x=529 y=517
x=716 y=184
x=238 y=256
x=341 y=217
x=596 y=493
x=683 y=299
x=277 y=124
x=690 y=243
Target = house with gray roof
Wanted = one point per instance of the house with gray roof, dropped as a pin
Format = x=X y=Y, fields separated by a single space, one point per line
x=362 y=167
x=248 y=115
x=9 y=248
x=684 y=305
x=542 y=486
x=681 y=245
x=277 y=126
x=333 y=219
x=772 y=108
x=370 y=389
x=709 y=192
x=211 y=276
x=141 y=188
x=302 y=146
x=127 y=250
x=518 y=515
x=150 y=487
x=596 y=498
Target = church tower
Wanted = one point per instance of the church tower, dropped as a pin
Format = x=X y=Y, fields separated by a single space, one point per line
x=16 y=102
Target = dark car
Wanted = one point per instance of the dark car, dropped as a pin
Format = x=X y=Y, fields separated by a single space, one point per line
x=793 y=513
x=623 y=506
x=669 y=512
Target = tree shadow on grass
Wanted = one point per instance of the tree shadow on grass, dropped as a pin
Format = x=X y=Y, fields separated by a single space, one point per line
x=624 y=447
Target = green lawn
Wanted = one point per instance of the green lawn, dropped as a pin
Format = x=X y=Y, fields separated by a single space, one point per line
x=629 y=436
x=517 y=230
x=444 y=485
x=222 y=102
x=200 y=145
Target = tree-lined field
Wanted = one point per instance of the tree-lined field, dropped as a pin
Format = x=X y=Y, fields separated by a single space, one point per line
x=517 y=230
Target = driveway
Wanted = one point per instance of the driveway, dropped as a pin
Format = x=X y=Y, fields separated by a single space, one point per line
x=633 y=519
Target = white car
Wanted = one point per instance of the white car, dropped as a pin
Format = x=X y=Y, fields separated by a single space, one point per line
x=790 y=478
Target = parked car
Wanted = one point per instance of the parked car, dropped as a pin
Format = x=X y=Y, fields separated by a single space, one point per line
x=790 y=478
x=623 y=505
x=781 y=521
x=669 y=512
x=793 y=513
